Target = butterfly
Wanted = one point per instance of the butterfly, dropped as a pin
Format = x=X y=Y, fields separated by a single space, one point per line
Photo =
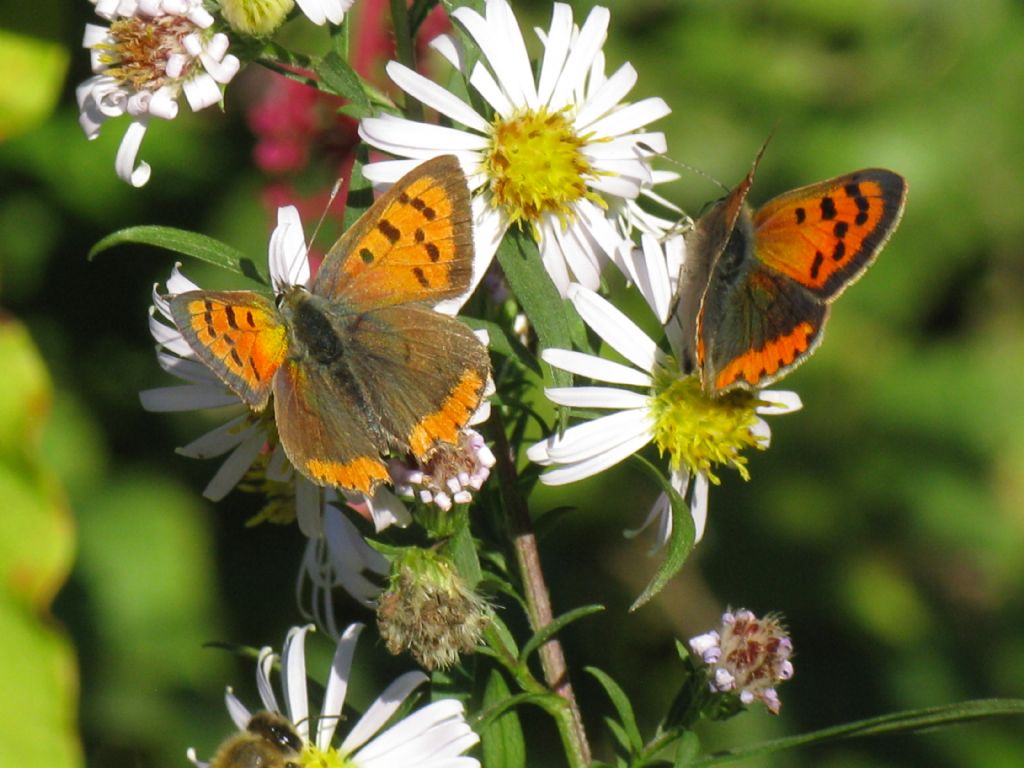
x=755 y=286
x=359 y=363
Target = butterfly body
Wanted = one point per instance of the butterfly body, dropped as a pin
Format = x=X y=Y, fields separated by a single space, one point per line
x=755 y=288
x=359 y=364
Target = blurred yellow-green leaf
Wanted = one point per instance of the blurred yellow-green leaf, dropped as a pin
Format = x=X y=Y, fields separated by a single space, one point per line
x=33 y=74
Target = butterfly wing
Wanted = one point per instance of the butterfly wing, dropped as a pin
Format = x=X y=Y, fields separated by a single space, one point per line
x=428 y=373
x=754 y=327
x=324 y=429
x=825 y=235
x=705 y=243
x=238 y=334
x=414 y=244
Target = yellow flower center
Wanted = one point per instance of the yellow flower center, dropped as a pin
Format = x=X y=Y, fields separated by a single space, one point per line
x=315 y=758
x=142 y=47
x=699 y=432
x=536 y=166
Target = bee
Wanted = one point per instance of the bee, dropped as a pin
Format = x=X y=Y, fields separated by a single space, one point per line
x=268 y=741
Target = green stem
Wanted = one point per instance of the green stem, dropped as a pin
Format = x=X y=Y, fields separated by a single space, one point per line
x=538 y=600
x=406 y=49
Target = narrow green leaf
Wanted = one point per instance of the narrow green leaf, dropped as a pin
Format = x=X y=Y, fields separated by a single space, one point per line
x=619 y=734
x=463 y=551
x=547 y=311
x=338 y=75
x=622 y=705
x=501 y=739
x=505 y=346
x=897 y=722
x=680 y=542
x=187 y=244
x=556 y=626
x=498 y=634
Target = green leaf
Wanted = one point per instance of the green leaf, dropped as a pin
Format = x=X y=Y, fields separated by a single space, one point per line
x=34 y=71
x=338 y=75
x=501 y=738
x=547 y=311
x=187 y=244
x=556 y=626
x=686 y=750
x=897 y=722
x=680 y=542
x=622 y=705
x=503 y=345
x=37 y=543
x=463 y=552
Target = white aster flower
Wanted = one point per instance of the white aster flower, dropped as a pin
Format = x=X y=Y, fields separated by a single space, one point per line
x=152 y=52
x=661 y=406
x=434 y=736
x=562 y=152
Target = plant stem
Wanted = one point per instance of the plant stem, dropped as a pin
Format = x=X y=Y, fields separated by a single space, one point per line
x=538 y=600
x=406 y=49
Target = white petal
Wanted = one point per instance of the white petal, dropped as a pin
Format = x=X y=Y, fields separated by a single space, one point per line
x=597 y=368
x=621 y=333
x=186 y=397
x=610 y=94
x=437 y=730
x=699 y=505
x=631 y=117
x=287 y=253
x=483 y=82
x=313 y=10
x=383 y=707
x=450 y=51
x=293 y=679
x=221 y=440
x=556 y=48
x=593 y=437
x=347 y=547
x=337 y=685
x=584 y=49
x=307 y=507
x=433 y=95
x=778 y=402
x=571 y=472
x=264 y=666
x=201 y=92
x=566 y=243
x=419 y=140
x=235 y=466
x=597 y=397
x=501 y=43
x=237 y=711
x=124 y=163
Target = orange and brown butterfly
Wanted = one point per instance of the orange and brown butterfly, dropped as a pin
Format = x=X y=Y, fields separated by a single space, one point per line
x=755 y=287
x=359 y=363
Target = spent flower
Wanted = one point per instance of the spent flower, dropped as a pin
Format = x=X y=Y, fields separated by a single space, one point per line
x=430 y=611
x=747 y=657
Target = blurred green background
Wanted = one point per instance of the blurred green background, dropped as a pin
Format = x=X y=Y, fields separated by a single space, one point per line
x=886 y=522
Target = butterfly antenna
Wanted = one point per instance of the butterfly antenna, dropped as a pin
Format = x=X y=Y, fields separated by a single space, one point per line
x=692 y=169
x=330 y=201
